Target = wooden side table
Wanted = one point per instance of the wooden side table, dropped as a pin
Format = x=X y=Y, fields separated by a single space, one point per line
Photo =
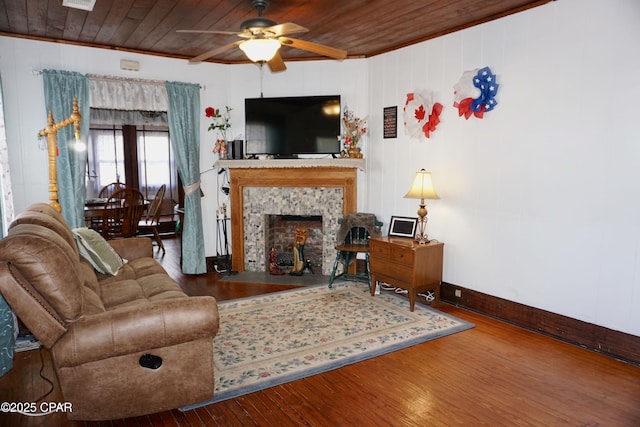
x=403 y=263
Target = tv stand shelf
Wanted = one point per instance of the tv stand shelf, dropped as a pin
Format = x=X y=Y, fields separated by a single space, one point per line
x=292 y=163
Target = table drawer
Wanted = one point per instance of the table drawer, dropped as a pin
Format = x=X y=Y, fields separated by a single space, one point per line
x=379 y=249
x=401 y=255
x=391 y=269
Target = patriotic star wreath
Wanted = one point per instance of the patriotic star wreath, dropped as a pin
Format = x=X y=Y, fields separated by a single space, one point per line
x=421 y=114
x=475 y=92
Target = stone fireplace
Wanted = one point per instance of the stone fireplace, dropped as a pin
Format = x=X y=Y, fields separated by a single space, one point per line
x=259 y=188
x=260 y=202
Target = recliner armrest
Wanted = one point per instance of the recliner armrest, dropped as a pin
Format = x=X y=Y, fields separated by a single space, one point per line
x=137 y=328
x=133 y=247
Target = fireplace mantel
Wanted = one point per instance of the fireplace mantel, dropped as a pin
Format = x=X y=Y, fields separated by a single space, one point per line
x=280 y=176
x=292 y=163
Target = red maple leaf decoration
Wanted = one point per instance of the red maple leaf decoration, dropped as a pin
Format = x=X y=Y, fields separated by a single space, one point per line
x=420 y=113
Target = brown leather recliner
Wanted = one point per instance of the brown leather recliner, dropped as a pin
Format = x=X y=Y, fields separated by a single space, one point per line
x=123 y=345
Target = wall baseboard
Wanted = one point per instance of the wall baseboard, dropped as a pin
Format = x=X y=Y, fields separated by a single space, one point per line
x=616 y=344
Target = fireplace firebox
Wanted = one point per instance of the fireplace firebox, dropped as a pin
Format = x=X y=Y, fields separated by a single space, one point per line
x=280 y=233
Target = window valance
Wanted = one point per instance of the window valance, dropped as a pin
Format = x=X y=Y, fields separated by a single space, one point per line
x=116 y=93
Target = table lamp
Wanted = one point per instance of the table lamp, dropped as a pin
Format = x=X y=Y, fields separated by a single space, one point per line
x=422 y=188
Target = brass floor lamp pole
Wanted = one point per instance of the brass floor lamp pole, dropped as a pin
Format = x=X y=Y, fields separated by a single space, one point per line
x=51 y=132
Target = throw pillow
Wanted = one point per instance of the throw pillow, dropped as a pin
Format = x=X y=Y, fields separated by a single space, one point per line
x=95 y=249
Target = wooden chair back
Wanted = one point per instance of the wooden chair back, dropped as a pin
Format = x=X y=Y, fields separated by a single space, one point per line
x=122 y=213
x=353 y=238
x=152 y=216
x=150 y=224
x=359 y=227
x=109 y=189
x=357 y=236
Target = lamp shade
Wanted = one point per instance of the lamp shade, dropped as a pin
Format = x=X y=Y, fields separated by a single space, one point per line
x=422 y=187
x=260 y=50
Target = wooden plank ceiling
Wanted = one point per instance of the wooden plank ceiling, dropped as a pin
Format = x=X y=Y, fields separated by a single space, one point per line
x=363 y=28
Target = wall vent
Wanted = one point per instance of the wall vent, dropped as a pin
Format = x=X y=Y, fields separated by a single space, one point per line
x=129 y=65
x=80 y=4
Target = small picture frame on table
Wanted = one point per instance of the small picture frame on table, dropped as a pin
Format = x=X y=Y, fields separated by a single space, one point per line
x=403 y=226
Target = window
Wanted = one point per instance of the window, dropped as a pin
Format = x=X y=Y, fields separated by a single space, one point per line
x=156 y=165
x=138 y=156
x=106 y=157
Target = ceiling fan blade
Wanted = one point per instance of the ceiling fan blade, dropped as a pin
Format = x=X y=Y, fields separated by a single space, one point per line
x=229 y=33
x=286 y=28
x=276 y=64
x=314 y=47
x=214 y=52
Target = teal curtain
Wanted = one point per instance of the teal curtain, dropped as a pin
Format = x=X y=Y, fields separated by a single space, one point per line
x=184 y=127
x=7 y=337
x=60 y=88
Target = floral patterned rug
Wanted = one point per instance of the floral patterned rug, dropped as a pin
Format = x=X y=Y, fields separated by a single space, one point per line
x=279 y=337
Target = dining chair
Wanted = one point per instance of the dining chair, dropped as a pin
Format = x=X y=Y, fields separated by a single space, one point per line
x=109 y=189
x=95 y=221
x=353 y=238
x=149 y=224
x=122 y=213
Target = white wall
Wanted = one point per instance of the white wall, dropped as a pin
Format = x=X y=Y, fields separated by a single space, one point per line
x=25 y=111
x=345 y=78
x=538 y=200
x=222 y=85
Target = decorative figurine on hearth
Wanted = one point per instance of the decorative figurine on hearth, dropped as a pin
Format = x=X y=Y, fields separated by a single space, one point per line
x=298 y=251
x=274 y=268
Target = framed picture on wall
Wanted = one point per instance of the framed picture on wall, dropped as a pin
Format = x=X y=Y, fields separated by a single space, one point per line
x=390 y=122
x=403 y=226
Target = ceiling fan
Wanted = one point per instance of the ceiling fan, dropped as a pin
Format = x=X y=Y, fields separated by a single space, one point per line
x=263 y=39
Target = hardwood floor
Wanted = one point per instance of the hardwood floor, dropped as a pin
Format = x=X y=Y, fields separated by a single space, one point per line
x=495 y=374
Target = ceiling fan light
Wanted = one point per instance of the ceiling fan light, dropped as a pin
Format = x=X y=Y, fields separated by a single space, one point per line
x=260 y=50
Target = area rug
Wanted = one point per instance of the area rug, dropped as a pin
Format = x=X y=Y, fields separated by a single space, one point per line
x=279 y=337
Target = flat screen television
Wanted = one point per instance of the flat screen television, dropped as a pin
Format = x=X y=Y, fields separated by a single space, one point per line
x=289 y=126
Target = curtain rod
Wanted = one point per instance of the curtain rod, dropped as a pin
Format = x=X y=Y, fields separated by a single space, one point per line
x=125 y=79
x=37 y=72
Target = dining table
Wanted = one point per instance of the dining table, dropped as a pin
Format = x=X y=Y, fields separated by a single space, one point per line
x=94 y=210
